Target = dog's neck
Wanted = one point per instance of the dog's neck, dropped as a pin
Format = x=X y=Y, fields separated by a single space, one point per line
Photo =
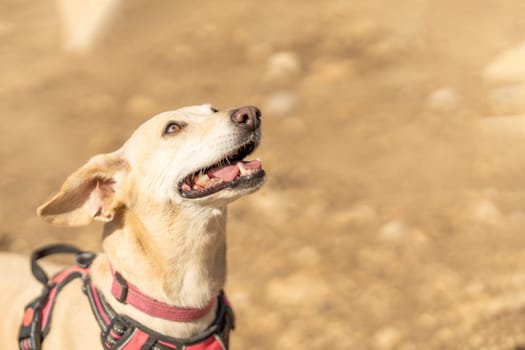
x=177 y=257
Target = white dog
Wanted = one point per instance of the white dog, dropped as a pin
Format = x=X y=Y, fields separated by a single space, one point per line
x=163 y=198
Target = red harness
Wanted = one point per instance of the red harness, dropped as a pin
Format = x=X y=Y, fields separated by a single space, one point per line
x=118 y=332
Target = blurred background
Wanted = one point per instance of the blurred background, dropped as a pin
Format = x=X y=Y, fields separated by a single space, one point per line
x=393 y=142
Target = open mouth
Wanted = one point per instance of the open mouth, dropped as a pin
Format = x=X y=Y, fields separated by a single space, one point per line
x=230 y=172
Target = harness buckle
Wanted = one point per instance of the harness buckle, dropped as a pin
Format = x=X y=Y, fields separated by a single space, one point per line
x=84 y=259
x=123 y=287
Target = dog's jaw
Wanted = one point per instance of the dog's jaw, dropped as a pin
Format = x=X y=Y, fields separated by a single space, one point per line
x=162 y=172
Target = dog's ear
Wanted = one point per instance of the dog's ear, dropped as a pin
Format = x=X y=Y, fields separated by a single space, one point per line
x=93 y=192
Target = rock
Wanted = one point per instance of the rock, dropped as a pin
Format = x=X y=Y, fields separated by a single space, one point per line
x=507 y=67
x=350 y=36
x=393 y=231
x=508 y=99
x=486 y=212
x=418 y=237
x=323 y=72
x=282 y=68
x=280 y=103
x=387 y=337
x=443 y=100
x=141 y=106
x=297 y=289
x=360 y=214
x=273 y=204
x=209 y=31
x=241 y=299
x=240 y=38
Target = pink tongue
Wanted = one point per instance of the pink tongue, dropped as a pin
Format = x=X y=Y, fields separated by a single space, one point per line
x=251 y=165
x=227 y=173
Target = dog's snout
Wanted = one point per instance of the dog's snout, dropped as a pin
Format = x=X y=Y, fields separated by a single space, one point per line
x=248 y=117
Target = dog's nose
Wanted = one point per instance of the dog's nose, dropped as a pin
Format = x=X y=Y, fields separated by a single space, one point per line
x=248 y=117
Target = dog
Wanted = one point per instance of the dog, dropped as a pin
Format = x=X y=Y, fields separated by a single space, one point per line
x=162 y=197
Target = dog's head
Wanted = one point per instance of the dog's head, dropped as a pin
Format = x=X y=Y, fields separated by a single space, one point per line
x=189 y=157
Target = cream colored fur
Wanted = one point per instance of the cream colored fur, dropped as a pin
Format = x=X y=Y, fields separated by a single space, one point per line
x=173 y=249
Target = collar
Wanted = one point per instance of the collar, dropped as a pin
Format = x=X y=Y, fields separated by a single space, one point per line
x=127 y=293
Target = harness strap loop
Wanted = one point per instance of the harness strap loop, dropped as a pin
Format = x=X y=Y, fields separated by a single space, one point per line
x=123 y=293
x=37 y=270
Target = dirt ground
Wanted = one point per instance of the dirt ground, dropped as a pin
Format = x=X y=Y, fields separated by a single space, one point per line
x=393 y=213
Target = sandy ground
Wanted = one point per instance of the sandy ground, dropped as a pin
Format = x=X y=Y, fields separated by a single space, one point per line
x=393 y=213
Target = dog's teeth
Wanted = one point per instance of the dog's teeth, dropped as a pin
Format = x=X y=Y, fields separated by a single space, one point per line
x=215 y=181
x=202 y=180
x=242 y=169
x=185 y=187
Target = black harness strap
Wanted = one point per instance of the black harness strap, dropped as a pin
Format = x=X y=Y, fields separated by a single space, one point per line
x=37 y=315
x=118 y=332
x=37 y=270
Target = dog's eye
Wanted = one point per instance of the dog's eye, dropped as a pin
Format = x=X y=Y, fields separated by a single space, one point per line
x=214 y=110
x=173 y=128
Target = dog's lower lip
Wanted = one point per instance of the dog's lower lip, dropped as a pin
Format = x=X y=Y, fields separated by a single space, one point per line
x=241 y=182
